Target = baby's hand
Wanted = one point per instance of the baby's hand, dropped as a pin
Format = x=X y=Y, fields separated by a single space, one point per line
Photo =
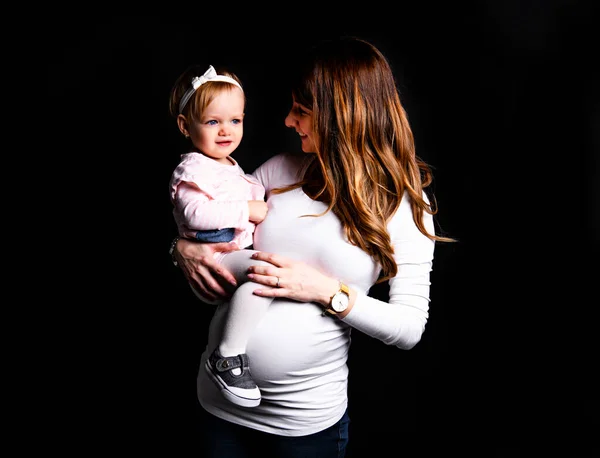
x=258 y=210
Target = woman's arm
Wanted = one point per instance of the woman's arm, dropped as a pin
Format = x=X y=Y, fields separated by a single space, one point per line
x=197 y=262
x=401 y=320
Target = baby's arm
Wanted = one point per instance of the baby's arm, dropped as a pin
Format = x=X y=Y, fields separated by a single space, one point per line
x=257 y=211
x=199 y=212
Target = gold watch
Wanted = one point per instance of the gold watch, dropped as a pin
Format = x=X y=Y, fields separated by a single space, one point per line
x=339 y=301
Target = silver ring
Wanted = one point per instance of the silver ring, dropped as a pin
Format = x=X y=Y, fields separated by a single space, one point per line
x=277 y=285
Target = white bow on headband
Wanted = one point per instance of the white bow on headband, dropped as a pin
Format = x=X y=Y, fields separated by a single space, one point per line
x=209 y=75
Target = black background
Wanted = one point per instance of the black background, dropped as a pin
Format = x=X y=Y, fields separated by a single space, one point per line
x=503 y=101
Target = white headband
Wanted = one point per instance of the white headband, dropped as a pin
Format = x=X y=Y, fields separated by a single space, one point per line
x=209 y=75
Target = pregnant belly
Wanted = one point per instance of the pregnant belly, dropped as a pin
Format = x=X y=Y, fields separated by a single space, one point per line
x=293 y=347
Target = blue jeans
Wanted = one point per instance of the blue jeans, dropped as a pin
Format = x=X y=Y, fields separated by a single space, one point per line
x=216 y=235
x=220 y=439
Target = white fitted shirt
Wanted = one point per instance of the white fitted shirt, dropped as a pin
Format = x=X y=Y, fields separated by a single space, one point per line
x=298 y=356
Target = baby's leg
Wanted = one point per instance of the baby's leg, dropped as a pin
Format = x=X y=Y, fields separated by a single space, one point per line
x=245 y=308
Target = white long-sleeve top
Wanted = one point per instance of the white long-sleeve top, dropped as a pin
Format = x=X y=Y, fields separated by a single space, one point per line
x=298 y=357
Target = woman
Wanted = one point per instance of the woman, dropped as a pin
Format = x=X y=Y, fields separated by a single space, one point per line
x=349 y=212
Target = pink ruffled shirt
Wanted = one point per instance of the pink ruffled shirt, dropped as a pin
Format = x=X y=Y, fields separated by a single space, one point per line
x=209 y=195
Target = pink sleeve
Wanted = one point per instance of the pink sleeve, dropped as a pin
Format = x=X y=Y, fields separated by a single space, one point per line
x=198 y=212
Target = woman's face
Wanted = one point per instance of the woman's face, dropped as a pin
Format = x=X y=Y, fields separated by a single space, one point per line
x=300 y=119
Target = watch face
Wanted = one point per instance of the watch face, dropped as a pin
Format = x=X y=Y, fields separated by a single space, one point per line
x=339 y=303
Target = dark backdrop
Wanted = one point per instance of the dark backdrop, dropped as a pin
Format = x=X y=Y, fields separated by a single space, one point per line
x=503 y=101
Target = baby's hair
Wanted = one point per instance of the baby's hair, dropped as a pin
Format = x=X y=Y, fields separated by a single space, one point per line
x=205 y=92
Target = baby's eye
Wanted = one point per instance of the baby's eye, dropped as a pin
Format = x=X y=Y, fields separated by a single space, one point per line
x=237 y=121
x=212 y=122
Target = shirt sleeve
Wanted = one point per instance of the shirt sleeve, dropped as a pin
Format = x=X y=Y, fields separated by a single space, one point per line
x=281 y=170
x=199 y=212
x=400 y=321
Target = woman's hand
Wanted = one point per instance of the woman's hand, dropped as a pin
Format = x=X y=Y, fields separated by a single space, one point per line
x=291 y=279
x=200 y=268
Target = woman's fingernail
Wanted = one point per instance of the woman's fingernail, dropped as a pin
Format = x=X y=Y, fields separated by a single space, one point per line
x=250 y=275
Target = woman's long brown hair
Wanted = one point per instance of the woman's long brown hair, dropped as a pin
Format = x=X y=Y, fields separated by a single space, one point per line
x=365 y=150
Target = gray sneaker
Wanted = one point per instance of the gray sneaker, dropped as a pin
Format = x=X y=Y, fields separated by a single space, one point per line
x=239 y=389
